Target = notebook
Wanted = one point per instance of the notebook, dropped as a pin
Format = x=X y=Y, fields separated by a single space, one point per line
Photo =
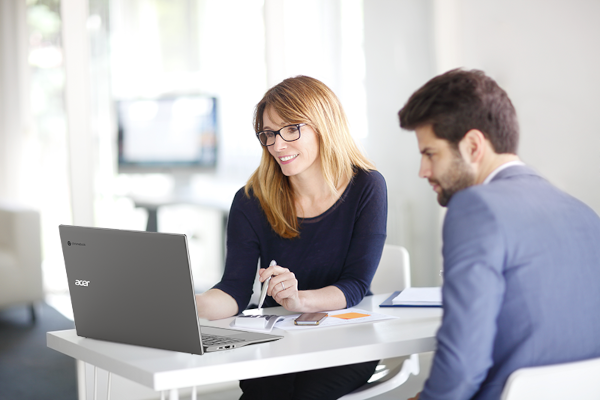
x=137 y=288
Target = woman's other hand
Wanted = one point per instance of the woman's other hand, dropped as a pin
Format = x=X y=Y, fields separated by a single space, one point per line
x=215 y=304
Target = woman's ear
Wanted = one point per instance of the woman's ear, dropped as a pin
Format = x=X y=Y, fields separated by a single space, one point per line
x=473 y=146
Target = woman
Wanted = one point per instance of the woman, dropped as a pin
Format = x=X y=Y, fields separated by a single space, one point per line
x=316 y=206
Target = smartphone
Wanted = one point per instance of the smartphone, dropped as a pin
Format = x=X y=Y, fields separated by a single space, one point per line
x=310 y=318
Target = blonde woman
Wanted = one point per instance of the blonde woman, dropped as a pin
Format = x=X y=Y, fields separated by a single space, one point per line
x=317 y=206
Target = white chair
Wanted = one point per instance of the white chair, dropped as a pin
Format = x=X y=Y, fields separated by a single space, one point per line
x=392 y=274
x=20 y=257
x=574 y=380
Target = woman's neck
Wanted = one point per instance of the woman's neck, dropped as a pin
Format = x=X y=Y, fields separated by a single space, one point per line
x=313 y=195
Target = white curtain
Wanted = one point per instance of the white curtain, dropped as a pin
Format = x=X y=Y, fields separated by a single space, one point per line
x=14 y=98
x=324 y=40
x=74 y=16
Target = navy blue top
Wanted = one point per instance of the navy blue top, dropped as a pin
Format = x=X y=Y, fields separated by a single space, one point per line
x=341 y=247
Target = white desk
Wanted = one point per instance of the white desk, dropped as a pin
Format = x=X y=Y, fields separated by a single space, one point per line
x=412 y=332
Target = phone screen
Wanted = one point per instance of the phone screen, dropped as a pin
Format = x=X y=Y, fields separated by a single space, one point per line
x=310 y=319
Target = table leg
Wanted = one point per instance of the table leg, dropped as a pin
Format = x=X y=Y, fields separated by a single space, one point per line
x=95 y=382
x=81 y=386
x=108 y=386
x=152 y=224
x=174 y=394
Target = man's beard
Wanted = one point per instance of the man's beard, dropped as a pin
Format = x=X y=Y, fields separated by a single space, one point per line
x=458 y=177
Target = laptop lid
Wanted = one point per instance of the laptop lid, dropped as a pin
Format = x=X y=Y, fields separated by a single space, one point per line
x=137 y=288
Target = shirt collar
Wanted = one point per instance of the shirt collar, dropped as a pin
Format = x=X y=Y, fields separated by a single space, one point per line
x=500 y=168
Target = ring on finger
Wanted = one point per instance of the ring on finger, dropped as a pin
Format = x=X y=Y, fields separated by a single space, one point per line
x=282 y=285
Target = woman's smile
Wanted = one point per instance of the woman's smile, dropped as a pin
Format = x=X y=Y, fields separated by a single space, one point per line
x=287 y=159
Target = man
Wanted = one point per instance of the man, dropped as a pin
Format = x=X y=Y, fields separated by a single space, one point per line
x=521 y=258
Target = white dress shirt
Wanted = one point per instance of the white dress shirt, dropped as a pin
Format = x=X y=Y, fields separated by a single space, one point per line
x=500 y=168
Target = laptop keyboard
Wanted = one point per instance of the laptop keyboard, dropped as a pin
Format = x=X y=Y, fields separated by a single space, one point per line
x=216 y=340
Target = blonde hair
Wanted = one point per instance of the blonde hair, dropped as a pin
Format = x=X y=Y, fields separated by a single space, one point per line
x=303 y=100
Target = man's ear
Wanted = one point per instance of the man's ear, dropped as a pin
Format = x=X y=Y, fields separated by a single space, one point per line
x=473 y=146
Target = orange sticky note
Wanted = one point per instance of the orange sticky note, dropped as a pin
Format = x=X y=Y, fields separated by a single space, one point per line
x=350 y=315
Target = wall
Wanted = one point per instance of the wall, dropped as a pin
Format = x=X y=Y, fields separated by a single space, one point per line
x=543 y=53
x=399 y=54
x=546 y=55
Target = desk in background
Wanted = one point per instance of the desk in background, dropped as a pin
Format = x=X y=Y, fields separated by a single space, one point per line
x=412 y=332
x=208 y=192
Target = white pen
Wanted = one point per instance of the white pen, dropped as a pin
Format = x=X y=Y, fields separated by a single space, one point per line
x=265 y=286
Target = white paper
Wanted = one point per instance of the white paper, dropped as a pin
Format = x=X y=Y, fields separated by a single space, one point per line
x=330 y=321
x=257 y=323
x=419 y=296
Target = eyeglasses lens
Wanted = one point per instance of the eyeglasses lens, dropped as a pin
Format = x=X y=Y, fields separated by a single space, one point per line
x=287 y=133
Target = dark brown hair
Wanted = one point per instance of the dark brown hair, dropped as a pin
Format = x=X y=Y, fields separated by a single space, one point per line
x=458 y=101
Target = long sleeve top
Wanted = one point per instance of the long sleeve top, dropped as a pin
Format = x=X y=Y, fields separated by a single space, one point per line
x=341 y=247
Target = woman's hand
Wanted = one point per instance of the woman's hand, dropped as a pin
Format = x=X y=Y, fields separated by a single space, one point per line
x=283 y=287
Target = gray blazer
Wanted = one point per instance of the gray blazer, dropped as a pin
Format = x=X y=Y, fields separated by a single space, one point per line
x=521 y=284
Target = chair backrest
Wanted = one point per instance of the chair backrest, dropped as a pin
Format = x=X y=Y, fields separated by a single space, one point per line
x=20 y=255
x=575 y=380
x=393 y=272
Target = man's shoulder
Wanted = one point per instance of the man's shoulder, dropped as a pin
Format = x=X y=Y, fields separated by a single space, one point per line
x=508 y=195
x=515 y=194
x=516 y=179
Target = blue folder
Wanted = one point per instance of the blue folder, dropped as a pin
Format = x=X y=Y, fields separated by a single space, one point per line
x=389 y=302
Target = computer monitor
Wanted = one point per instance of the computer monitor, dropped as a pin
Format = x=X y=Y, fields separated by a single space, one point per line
x=176 y=134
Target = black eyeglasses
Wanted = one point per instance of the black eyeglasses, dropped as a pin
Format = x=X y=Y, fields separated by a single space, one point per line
x=288 y=133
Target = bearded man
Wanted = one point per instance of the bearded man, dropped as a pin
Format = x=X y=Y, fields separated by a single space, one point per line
x=521 y=258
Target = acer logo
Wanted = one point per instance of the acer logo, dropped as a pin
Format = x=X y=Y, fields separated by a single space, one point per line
x=79 y=282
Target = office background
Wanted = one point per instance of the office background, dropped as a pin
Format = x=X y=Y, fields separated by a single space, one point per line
x=62 y=63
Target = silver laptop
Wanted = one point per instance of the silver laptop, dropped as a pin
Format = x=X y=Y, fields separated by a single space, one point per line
x=137 y=288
